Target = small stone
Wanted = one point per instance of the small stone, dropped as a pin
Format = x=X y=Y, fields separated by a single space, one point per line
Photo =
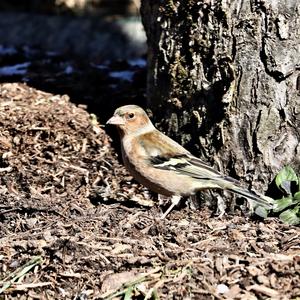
x=222 y=288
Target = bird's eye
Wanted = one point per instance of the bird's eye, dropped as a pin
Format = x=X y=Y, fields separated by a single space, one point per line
x=130 y=115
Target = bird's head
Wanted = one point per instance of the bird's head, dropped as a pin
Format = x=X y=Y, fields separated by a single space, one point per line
x=131 y=119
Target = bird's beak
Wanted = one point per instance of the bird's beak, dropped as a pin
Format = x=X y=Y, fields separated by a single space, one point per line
x=116 y=120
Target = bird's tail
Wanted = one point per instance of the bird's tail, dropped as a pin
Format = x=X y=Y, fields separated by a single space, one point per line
x=255 y=199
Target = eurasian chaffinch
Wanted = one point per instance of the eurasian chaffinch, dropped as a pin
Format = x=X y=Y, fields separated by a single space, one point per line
x=164 y=166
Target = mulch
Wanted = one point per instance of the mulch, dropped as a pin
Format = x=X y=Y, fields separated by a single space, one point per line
x=74 y=224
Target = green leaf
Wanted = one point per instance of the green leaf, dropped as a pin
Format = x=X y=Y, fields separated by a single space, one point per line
x=155 y=295
x=284 y=178
x=283 y=203
x=261 y=211
x=129 y=293
x=290 y=216
x=297 y=196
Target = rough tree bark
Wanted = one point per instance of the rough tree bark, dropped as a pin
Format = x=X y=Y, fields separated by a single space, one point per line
x=224 y=79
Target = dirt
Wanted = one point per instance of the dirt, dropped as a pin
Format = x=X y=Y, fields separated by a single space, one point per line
x=75 y=225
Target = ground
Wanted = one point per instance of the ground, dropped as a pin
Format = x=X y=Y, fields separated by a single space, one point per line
x=74 y=224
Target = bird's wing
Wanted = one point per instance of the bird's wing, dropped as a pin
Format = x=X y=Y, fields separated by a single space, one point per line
x=166 y=154
x=187 y=164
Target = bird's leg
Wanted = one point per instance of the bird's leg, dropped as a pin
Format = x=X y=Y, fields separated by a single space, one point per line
x=175 y=200
x=221 y=206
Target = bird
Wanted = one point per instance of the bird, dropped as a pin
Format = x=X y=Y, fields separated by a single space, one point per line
x=164 y=166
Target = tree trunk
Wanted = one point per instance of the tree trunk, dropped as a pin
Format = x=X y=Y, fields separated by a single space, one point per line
x=224 y=81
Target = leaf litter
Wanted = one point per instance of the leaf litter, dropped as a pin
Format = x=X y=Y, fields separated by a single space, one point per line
x=66 y=200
